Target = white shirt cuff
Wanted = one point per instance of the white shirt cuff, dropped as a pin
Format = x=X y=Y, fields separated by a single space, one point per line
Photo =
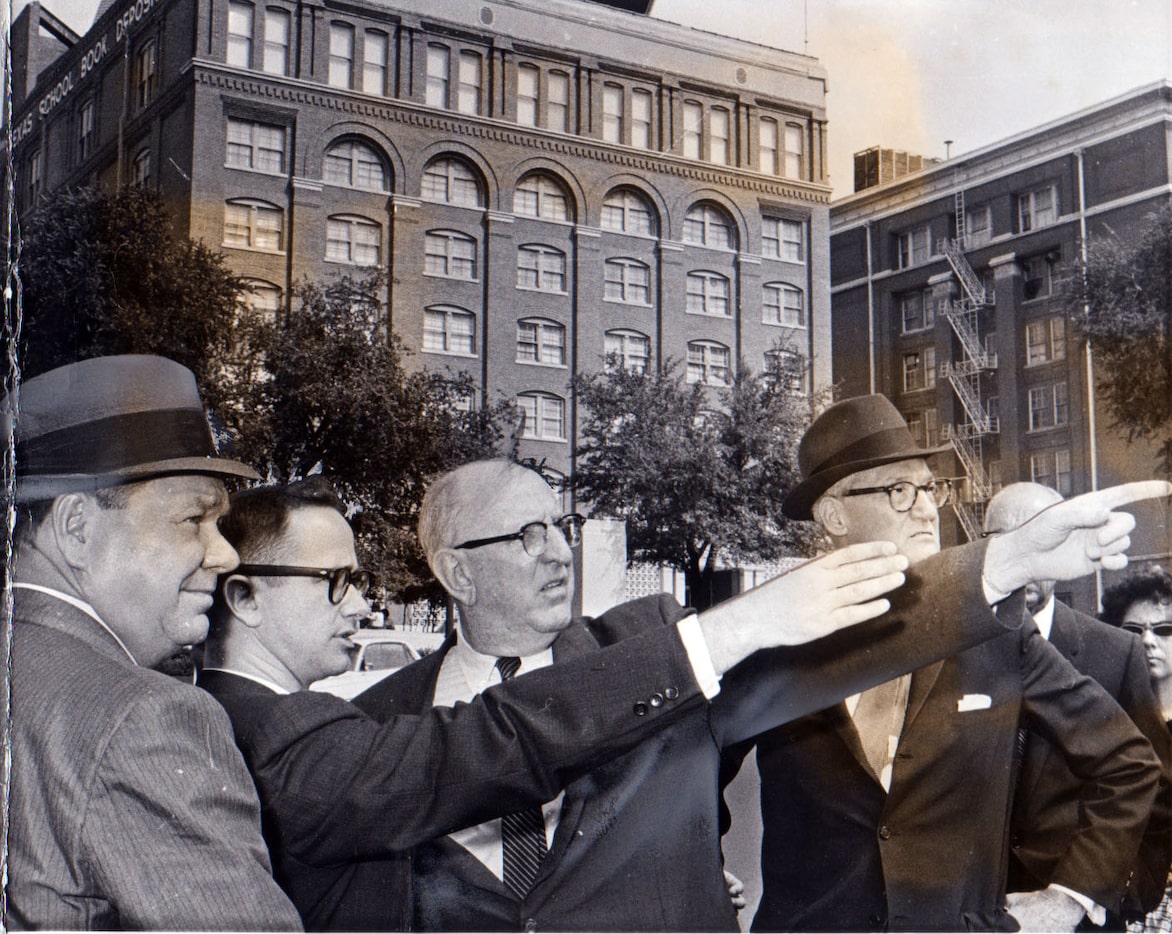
x=1097 y=913
x=698 y=656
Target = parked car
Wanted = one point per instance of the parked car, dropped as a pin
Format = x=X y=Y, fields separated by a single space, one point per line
x=379 y=652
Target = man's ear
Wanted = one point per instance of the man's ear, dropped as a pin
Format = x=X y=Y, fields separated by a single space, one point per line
x=70 y=523
x=831 y=516
x=452 y=572
x=240 y=598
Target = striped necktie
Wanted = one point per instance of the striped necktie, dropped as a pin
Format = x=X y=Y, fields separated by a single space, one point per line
x=522 y=833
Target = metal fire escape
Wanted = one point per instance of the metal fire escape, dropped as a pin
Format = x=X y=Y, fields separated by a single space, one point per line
x=963 y=314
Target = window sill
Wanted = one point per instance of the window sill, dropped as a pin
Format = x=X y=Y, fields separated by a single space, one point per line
x=538 y=363
x=440 y=275
x=782 y=324
x=525 y=288
x=547 y=440
x=252 y=171
x=451 y=353
x=252 y=249
x=349 y=263
x=705 y=314
x=619 y=301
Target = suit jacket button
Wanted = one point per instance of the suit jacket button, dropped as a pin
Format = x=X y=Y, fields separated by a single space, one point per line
x=531 y=925
x=671 y=693
x=640 y=709
x=656 y=699
x=884 y=832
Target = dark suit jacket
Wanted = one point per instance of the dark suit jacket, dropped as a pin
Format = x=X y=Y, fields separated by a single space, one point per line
x=840 y=853
x=342 y=796
x=1046 y=805
x=130 y=805
x=638 y=844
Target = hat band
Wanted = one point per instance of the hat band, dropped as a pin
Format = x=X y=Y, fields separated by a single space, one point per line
x=896 y=440
x=116 y=443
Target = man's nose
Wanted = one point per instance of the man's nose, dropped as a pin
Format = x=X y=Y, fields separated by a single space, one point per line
x=355 y=603
x=925 y=505
x=557 y=548
x=219 y=555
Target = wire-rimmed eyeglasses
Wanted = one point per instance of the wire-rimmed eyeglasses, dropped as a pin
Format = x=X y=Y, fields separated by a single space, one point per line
x=903 y=495
x=340 y=579
x=534 y=536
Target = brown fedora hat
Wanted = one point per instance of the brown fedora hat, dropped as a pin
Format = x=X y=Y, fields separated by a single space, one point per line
x=108 y=421
x=852 y=435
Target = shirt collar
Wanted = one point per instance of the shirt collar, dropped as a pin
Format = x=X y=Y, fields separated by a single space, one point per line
x=78 y=604
x=479 y=670
x=1044 y=617
x=271 y=685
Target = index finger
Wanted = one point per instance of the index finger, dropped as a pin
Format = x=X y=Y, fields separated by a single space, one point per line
x=1115 y=496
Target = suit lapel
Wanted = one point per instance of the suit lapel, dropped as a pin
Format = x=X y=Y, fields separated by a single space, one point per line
x=1065 y=633
x=923 y=680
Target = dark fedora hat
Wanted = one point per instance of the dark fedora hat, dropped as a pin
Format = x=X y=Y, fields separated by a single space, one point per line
x=852 y=435
x=108 y=421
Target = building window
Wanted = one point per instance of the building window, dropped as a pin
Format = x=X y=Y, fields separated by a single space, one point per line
x=541 y=341
x=786 y=369
x=1037 y=208
x=355 y=165
x=140 y=170
x=1049 y=406
x=470 y=79
x=767 y=146
x=1046 y=341
x=919 y=369
x=626 y=211
x=528 y=94
x=709 y=226
x=641 y=118
x=449 y=254
x=629 y=350
x=925 y=428
x=978 y=227
x=439 y=68
x=452 y=181
x=916 y=311
x=276 y=48
x=708 y=294
x=85 y=131
x=146 y=65
x=341 y=55
x=1038 y=275
x=719 y=149
x=541 y=268
x=374 y=62
x=240 y=34
x=783 y=304
x=262 y=299
x=34 y=177
x=612 y=113
x=558 y=105
x=627 y=281
x=794 y=159
x=1052 y=468
x=542 y=196
x=783 y=239
x=253 y=225
x=354 y=240
x=708 y=363
x=449 y=330
x=693 y=130
x=545 y=416
x=915 y=246
x=256 y=146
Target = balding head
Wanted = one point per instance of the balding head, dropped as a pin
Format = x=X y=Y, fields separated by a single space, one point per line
x=1014 y=506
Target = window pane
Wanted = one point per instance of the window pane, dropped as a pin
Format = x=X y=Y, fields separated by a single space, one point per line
x=438 y=70
x=277 y=29
x=719 y=145
x=641 y=119
x=374 y=62
x=693 y=122
x=559 y=102
x=468 y=98
x=793 y=151
x=240 y=34
x=527 y=90
x=767 y=146
x=341 y=55
x=612 y=113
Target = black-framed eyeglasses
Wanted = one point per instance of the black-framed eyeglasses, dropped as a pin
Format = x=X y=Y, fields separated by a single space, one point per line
x=902 y=495
x=1163 y=630
x=534 y=537
x=340 y=579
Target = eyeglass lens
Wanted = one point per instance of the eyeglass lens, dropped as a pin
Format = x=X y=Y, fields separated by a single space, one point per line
x=903 y=495
x=343 y=578
x=1163 y=630
x=535 y=536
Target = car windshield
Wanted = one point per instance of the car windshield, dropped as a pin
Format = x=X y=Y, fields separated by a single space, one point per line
x=382 y=655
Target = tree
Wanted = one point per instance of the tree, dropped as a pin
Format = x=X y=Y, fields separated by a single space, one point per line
x=327 y=391
x=698 y=475
x=1122 y=302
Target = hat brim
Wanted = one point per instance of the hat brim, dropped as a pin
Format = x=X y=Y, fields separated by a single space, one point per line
x=48 y=486
x=799 y=503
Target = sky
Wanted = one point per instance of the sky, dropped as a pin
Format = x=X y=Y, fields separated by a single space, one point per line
x=910 y=74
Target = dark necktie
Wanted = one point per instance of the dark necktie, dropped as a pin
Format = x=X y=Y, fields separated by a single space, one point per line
x=523 y=833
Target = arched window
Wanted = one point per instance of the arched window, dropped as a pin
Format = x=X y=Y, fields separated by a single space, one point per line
x=146 y=78
x=629 y=350
x=783 y=304
x=541 y=341
x=354 y=240
x=708 y=294
x=625 y=210
x=528 y=94
x=788 y=370
x=356 y=165
x=449 y=330
x=541 y=268
x=453 y=181
x=709 y=225
x=261 y=298
x=627 y=280
x=545 y=416
x=708 y=362
x=541 y=195
x=450 y=254
x=253 y=225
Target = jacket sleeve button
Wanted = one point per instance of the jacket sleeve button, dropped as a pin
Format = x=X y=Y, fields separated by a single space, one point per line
x=640 y=709
x=656 y=700
x=671 y=693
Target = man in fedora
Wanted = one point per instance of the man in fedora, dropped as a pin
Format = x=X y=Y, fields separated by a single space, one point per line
x=130 y=805
x=890 y=810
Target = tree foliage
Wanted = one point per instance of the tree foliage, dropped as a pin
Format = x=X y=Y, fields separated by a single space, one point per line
x=698 y=474
x=1122 y=302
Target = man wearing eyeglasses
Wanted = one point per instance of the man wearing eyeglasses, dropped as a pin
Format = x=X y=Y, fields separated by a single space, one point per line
x=890 y=810
x=1046 y=804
